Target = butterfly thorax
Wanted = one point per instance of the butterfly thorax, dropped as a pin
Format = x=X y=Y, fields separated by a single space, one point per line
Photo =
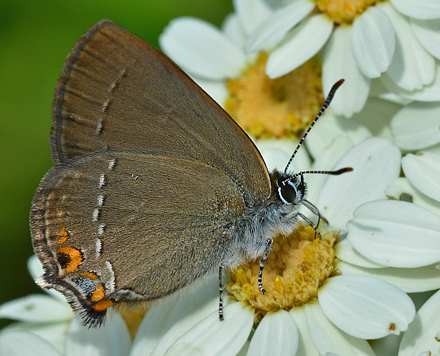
x=264 y=220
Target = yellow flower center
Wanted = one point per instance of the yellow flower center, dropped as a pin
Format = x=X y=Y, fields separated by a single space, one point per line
x=278 y=107
x=297 y=266
x=344 y=11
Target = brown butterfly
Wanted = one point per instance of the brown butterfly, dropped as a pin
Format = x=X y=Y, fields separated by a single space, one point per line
x=154 y=186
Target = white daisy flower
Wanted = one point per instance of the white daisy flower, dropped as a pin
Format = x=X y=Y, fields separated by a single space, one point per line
x=338 y=321
x=338 y=312
x=333 y=295
x=414 y=128
x=410 y=237
x=361 y=40
x=216 y=60
x=394 y=245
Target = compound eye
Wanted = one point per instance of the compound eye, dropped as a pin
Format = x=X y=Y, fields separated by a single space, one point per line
x=289 y=193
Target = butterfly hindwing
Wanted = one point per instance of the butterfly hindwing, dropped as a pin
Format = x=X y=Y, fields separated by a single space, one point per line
x=168 y=219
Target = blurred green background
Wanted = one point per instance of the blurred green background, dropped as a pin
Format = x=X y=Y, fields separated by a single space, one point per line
x=35 y=38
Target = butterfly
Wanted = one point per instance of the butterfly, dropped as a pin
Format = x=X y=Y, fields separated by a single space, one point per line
x=154 y=186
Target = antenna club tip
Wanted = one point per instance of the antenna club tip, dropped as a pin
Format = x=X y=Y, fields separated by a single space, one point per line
x=343 y=170
x=338 y=84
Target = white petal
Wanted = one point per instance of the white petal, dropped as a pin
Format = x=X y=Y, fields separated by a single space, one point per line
x=276 y=154
x=376 y=116
x=421 y=9
x=366 y=307
x=214 y=337
x=417 y=126
x=373 y=42
x=277 y=334
x=423 y=172
x=201 y=49
x=329 y=339
x=23 y=343
x=215 y=88
x=428 y=34
x=411 y=67
x=326 y=161
x=110 y=339
x=301 y=44
x=305 y=345
x=394 y=98
x=167 y=321
x=395 y=233
x=275 y=158
x=401 y=189
x=329 y=128
x=34 y=266
x=53 y=333
x=433 y=149
x=35 y=270
x=376 y=163
x=429 y=92
x=347 y=253
x=410 y=280
x=379 y=90
x=36 y=308
x=339 y=63
x=278 y=24
x=232 y=29
x=423 y=334
x=251 y=13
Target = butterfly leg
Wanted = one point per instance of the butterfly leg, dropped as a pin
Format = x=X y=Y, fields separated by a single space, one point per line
x=221 y=287
x=262 y=263
x=314 y=210
x=308 y=221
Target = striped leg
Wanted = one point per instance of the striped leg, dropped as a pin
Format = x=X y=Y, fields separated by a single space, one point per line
x=262 y=262
x=308 y=221
x=220 y=286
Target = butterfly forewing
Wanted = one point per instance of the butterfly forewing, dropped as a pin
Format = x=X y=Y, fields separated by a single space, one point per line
x=118 y=92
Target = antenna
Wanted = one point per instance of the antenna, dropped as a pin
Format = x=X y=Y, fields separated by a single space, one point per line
x=324 y=107
x=332 y=173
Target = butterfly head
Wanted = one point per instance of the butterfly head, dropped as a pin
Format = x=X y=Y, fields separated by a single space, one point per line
x=291 y=189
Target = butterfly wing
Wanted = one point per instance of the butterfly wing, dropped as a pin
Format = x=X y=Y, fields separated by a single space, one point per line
x=111 y=226
x=116 y=91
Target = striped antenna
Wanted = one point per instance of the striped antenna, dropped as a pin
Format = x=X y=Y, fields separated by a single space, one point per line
x=332 y=173
x=324 y=107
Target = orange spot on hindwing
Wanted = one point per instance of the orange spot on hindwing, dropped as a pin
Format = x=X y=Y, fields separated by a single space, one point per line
x=90 y=275
x=93 y=297
x=64 y=236
x=98 y=294
x=69 y=258
x=102 y=305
